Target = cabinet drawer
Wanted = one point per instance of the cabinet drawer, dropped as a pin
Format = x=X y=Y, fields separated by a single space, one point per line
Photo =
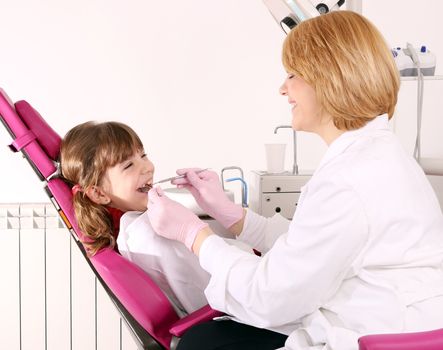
x=283 y=203
x=279 y=183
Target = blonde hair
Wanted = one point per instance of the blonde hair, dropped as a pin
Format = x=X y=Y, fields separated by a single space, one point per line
x=348 y=63
x=87 y=151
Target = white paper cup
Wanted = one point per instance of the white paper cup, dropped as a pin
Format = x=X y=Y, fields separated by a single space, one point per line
x=275 y=157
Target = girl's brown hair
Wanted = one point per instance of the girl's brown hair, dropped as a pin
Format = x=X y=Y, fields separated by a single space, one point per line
x=348 y=63
x=87 y=151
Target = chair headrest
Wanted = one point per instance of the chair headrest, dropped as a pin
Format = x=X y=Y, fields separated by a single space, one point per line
x=24 y=138
x=48 y=139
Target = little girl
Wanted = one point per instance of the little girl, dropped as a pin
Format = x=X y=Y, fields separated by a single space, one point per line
x=110 y=174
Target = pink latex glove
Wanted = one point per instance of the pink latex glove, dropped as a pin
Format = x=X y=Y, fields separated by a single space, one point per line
x=171 y=219
x=209 y=195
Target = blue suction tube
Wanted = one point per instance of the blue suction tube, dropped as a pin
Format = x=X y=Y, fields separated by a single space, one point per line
x=244 y=200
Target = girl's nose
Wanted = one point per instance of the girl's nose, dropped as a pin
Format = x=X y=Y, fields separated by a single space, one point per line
x=148 y=168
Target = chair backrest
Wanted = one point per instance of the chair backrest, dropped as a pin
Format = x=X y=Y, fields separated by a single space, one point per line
x=133 y=288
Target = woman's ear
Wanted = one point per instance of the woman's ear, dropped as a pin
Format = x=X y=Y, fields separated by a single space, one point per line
x=97 y=195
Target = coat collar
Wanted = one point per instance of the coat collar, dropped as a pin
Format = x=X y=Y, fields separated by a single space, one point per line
x=339 y=145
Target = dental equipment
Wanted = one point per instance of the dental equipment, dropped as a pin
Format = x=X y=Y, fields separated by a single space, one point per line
x=276 y=193
x=244 y=190
x=294 y=140
x=244 y=201
x=406 y=59
x=289 y=13
x=431 y=166
x=413 y=54
x=177 y=177
x=146 y=188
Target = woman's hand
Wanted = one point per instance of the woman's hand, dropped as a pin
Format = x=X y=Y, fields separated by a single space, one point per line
x=210 y=196
x=172 y=220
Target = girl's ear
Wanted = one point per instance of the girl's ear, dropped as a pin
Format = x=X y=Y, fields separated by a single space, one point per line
x=96 y=195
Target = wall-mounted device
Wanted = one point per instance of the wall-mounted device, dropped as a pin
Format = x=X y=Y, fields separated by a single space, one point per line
x=406 y=58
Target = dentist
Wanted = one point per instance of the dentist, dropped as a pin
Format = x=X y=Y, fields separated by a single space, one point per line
x=364 y=251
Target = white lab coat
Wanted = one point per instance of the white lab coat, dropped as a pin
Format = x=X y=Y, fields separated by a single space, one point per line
x=363 y=253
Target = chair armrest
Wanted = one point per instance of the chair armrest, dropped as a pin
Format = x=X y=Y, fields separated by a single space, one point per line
x=201 y=315
x=429 y=340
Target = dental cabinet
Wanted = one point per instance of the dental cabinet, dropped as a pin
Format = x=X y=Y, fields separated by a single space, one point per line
x=276 y=193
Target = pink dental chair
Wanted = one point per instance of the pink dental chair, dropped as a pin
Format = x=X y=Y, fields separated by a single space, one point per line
x=144 y=307
x=430 y=340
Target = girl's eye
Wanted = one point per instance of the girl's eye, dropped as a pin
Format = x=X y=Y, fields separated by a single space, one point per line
x=127 y=166
x=290 y=76
x=144 y=155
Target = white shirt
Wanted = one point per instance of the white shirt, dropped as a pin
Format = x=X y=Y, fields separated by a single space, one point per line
x=169 y=263
x=173 y=267
x=363 y=253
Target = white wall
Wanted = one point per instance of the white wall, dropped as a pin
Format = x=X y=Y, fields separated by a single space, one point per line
x=197 y=79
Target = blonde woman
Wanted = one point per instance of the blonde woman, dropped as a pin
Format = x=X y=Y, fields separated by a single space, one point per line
x=363 y=253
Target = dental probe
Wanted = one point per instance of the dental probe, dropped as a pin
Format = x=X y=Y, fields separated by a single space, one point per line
x=177 y=177
x=146 y=189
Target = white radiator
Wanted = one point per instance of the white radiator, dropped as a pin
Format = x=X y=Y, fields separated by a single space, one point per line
x=50 y=298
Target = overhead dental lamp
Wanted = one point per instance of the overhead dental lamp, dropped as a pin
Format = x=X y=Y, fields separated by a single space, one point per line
x=289 y=13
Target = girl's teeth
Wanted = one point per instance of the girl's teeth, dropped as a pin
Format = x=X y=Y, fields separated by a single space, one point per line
x=145 y=188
